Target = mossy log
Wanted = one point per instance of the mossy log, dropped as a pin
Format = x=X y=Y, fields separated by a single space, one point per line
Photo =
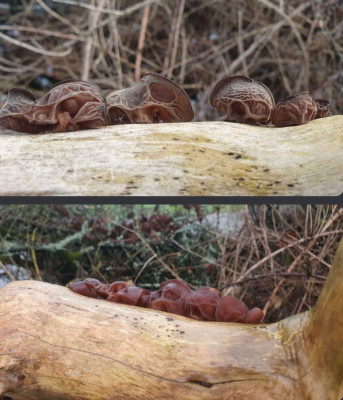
x=200 y=158
x=56 y=344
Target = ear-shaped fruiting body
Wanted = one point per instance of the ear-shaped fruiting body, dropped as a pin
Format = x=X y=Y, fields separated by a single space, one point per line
x=68 y=106
x=174 y=296
x=153 y=99
x=171 y=297
x=89 y=287
x=241 y=99
x=254 y=316
x=231 y=309
x=323 y=108
x=133 y=296
x=297 y=109
x=202 y=304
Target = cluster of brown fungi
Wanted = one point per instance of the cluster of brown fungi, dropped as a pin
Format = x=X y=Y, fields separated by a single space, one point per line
x=173 y=296
x=241 y=99
x=73 y=105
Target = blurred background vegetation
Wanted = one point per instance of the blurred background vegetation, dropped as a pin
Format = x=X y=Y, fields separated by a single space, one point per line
x=273 y=257
x=289 y=45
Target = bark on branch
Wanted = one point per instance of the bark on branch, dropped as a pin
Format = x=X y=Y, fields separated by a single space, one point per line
x=204 y=158
x=56 y=344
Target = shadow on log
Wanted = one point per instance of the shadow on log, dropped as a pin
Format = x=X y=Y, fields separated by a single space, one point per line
x=56 y=344
x=199 y=158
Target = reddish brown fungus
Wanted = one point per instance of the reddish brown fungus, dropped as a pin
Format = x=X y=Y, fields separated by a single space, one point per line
x=241 y=99
x=153 y=99
x=69 y=106
x=88 y=287
x=111 y=289
x=254 y=316
x=132 y=295
x=231 y=309
x=323 y=108
x=202 y=304
x=174 y=296
x=294 y=110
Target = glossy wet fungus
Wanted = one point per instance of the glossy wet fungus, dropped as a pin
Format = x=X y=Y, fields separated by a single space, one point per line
x=73 y=105
x=171 y=297
x=241 y=99
x=202 y=304
x=174 y=296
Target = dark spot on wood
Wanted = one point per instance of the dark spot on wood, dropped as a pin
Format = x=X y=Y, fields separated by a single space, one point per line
x=182 y=332
x=238 y=157
x=176 y=177
x=230 y=154
x=170 y=319
x=290 y=185
x=266 y=170
x=205 y=384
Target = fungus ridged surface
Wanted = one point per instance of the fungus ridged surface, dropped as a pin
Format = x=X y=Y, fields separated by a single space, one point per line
x=153 y=99
x=73 y=105
x=297 y=109
x=241 y=99
x=70 y=105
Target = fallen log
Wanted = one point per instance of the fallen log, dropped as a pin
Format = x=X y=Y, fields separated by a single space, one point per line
x=56 y=344
x=199 y=158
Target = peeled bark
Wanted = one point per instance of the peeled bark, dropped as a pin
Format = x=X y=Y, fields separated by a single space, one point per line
x=56 y=344
x=195 y=159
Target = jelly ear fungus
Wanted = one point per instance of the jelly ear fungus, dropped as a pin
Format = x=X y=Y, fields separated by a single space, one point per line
x=153 y=99
x=241 y=99
x=69 y=106
x=297 y=109
x=173 y=296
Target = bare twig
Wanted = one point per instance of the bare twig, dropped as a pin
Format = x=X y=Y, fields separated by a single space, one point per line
x=36 y=49
x=140 y=46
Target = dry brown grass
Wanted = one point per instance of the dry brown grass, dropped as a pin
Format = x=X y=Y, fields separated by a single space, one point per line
x=289 y=45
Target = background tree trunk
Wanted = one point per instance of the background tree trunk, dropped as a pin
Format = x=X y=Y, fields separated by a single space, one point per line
x=204 y=158
x=56 y=344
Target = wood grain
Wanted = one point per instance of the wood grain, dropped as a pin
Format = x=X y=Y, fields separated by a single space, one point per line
x=56 y=344
x=204 y=158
